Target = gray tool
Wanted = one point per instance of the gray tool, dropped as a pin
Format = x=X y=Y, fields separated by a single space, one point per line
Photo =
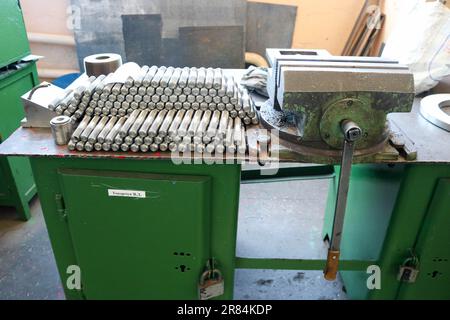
x=352 y=133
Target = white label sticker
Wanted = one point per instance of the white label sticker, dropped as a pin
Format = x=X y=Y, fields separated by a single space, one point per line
x=126 y=193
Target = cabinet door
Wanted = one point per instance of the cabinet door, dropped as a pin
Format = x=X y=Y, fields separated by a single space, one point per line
x=13 y=35
x=138 y=236
x=433 y=250
x=4 y=190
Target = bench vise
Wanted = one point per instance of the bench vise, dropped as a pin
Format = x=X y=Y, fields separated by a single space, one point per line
x=311 y=92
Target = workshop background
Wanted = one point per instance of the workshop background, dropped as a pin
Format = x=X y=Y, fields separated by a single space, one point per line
x=291 y=212
x=318 y=24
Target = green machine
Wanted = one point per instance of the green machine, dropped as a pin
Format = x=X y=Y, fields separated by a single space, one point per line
x=145 y=226
x=16 y=77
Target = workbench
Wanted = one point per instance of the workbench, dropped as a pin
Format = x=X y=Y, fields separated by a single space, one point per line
x=156 y=246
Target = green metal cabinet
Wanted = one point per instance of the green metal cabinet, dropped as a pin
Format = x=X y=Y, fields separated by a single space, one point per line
x=16 y=178
x=139 y=229
x=13 y=36
x=394 y=212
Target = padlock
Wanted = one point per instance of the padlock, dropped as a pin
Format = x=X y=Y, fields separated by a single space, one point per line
x=409 y=270
x=211 y=285
x=407 y=274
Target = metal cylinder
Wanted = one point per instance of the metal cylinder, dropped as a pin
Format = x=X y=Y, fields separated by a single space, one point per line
x=220 y=149
x=98 y=128
x=80 y=146
x=110 y=138
x=182 y=130
x=90 y=89
x=124 y=147
x=230 y=87
x=217 y=84
x=78 y=93
x=231 y=149
x=146 y=82
x=163 y=146
x=143 y=130
x=221 y=92
x=97 y=146
x=178 y=105
x=200 y=147
x=88 y=146
x=192 y=80
x=138 y=140
x=115 y=147
x=174 y=78
x=209 y=79
x=202 y=127
x=222 y=131
x=173 y=129
x=229 y=136
x=143 y=147
x=128 y=140
x=83 y=124
x=242 y=147
x=134 y=130
x=158 y=76
x=140 y=76
x=106 y=146
x=71 y=145
x=237 y=134
x=87 y=131
x=195 y=123
x=153 y=131
x=123 y=132
x=201 y=77
x=134 y=148
x=173 y=146
x=103 y=63
x=163 y=130
x=154 y=147
x=148 y=140
x=212 y=128
x=166 y=77
x=210 y=147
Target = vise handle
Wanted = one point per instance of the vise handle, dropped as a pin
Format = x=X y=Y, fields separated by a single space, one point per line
x=352 y=132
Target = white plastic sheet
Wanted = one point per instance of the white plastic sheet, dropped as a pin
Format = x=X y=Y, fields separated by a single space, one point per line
x=421 y=40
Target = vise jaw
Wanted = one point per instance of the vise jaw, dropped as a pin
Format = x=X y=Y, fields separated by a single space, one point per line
x=311 y=92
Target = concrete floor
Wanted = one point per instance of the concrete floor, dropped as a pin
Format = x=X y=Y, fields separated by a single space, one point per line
x=276 y=220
